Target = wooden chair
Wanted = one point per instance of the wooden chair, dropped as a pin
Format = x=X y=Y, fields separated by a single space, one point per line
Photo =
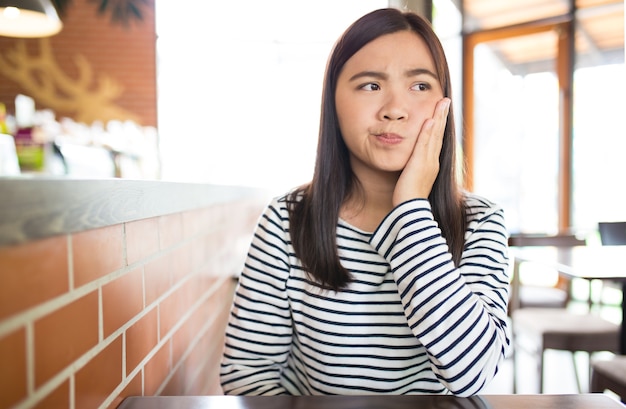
x=536 y=330
x=609 y=375
x=552 y=326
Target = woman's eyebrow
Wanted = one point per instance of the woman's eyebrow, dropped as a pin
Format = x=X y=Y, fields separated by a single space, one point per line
x=383 y=76
x=369 y=74
x=421 y=71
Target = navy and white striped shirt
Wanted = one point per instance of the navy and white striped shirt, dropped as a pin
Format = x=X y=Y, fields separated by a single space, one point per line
x=410 y=321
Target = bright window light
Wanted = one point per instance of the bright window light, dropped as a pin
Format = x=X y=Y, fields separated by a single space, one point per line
x=239 y=87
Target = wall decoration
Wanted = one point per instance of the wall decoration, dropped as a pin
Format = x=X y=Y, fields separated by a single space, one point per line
x=120 y=11
x=86 y=97
x=98 y=68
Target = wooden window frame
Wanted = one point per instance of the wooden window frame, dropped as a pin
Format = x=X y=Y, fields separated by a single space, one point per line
x=564 y=26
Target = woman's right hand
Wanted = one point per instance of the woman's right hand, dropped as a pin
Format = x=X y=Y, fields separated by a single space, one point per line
x=418 y=176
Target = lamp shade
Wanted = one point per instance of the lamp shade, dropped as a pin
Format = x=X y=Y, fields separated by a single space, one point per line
x=28 y=18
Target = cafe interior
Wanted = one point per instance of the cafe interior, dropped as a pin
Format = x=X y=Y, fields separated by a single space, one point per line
x=140 y=141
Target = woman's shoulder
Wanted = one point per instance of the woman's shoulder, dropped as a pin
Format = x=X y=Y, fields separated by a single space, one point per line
x=478 y=205
x=287 y=198
x=475 y=200
x=280 y=204
x=485 y=220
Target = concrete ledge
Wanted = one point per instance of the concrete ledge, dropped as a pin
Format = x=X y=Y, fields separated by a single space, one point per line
x=34 y=208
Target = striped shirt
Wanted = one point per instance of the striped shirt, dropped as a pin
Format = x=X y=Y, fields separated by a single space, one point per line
x=410 y=321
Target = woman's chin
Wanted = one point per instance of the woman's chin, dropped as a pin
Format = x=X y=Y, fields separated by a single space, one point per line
x=394 y=166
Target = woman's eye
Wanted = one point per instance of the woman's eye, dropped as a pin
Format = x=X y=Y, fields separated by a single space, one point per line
x=422 y=86
x=370 y=87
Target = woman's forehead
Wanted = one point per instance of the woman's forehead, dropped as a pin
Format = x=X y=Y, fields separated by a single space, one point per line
x=403 y=50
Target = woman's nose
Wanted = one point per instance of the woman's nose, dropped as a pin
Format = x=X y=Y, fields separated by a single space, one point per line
x=394 y=108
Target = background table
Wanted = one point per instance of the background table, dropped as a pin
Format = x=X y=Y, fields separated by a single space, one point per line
x=587 y=262
x=588 y=401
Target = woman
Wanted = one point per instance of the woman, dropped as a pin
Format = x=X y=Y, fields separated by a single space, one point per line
x=381 y=275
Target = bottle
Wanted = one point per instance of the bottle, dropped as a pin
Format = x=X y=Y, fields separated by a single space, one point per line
x=4 y=128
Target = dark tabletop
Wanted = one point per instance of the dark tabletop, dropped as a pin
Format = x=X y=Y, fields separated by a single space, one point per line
x=585 y=401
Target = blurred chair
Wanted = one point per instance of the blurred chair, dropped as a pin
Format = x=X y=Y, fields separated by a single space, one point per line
x=546 y=323
x=536 y=330
x=612 y=233
x=536 y=296
x=609 y=375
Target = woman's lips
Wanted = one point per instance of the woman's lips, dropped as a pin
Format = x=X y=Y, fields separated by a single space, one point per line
x=389 y=138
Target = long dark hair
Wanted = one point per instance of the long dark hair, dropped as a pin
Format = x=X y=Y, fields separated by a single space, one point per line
x=314 y=208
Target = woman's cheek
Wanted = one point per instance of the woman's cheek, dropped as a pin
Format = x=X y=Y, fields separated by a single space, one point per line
x=424 y=111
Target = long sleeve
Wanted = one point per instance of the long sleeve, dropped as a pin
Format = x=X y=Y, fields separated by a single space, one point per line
x=457 y=313
x=410 y=321
x=259 y=333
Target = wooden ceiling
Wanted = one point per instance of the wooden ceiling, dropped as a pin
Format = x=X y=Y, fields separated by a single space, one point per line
x=599 y=29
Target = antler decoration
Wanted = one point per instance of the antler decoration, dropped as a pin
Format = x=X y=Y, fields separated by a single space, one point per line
x=42 y=78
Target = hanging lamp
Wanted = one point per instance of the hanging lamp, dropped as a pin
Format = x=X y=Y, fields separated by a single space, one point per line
x=28 y=18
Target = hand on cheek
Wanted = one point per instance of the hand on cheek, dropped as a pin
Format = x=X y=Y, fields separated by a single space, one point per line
x=420 y=172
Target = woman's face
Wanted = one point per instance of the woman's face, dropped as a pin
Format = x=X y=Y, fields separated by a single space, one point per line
x=384 y=94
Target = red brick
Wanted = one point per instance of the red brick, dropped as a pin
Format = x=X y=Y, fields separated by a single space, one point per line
x=97 y=253
x=64 y=335
x=156 y=370
x=170 y=230
x=133 y=388
x=158 y=277
x=122 y=299
x=58 y=398
x=142 y=239
x=12 y=368
x=173 y=307
x=97 y=380
x=141 y=338
x=32 y=273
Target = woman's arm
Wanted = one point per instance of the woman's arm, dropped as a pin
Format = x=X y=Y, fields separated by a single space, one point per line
x=258 y=335
x=457 y=313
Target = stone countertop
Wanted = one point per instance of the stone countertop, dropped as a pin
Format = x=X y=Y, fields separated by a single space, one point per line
x=34 y=208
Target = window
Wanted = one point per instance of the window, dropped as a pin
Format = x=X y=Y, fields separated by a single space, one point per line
x=516 y=132
x=599 y=141
x=544 y=145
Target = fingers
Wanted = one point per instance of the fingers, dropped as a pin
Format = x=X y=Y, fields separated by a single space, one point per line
x=441 y=114
x=437 y=124
x=419 y=174
x=431 y=135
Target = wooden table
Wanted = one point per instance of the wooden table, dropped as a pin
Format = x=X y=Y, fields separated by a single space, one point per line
x=606 y=263
x=587 y=401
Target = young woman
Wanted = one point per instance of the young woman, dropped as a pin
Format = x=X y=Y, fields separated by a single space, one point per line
x=381 y=275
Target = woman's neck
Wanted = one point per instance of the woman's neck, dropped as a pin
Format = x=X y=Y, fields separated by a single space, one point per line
x=371 y=201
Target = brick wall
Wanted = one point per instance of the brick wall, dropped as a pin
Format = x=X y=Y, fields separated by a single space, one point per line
x=124 y=55
x=137 y=308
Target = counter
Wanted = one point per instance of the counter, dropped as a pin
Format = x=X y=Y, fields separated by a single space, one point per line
x=114 y=288
x=35 y=208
